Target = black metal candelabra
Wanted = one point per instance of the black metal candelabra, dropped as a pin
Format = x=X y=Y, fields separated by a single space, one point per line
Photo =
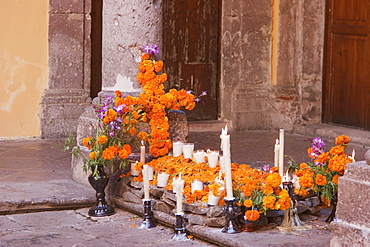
x=232 y=213
x=180 y=234
x=148 y=221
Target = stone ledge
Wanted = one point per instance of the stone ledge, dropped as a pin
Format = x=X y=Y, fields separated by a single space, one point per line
x=345 y=234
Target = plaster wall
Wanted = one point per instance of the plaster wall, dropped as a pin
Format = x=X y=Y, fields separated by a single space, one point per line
x=24 y=66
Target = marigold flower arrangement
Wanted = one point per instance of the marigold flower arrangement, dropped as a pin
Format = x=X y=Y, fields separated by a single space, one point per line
x=322 y=174
x=122 y=120
x=258 y=190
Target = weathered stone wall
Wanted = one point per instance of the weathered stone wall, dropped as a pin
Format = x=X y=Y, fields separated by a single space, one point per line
x=353 y=227
x=248 y=98
x=68 y=89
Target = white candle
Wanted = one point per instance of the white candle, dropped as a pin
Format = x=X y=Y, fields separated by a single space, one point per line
x=212 y=200
x=196 y=185
x=281 y=153
x=174 y=185
x=162 y=179
x=225 y=146
x=142 y=153
x=150 y=173
x=276 y=153
x=146 y=182
x=188 y=149
x=134 y=172
x=295 y=181
x=212 y=158
x=177 y=148
x=353 y=155
x=199 y=156
x=222 y=164
x=179 y=189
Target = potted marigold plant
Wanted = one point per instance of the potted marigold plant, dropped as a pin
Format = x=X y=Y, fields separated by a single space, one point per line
x=321 y=175
x=259 y=191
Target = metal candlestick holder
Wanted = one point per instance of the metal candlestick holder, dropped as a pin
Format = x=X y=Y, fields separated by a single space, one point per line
x=232 y=213
x=291 y=217
x=180 y=234
x=148 y=221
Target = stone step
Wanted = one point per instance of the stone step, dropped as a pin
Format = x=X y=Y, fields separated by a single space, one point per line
x=207 y=125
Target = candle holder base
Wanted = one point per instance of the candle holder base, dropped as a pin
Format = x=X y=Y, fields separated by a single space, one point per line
x=180 y=234
x=148 y=221
x=231 y=212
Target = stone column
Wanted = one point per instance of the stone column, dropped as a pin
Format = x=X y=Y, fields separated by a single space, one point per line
x=68 y=91
x=353 y=226
x=127 y=26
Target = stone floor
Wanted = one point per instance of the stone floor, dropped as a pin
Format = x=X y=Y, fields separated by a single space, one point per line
x=36 y=184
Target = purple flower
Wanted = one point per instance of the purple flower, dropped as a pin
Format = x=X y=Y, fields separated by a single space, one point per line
x=153 y=49
x=266 y=168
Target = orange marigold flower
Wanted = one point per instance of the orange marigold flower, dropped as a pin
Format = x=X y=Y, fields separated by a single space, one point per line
x=118 y=93
x=124 y=152
x=301 y=192
x=145 y=57
x=303 y=165
x=158 y=66
x=337 y=150
x=310 y=152
x=93 y=155
x=252 y=215
x=85 y=142
x=306 y=180
x=323 y=158
x=269 y=201
x=320 y=179
x=110 y=152
x=142 y=135
x=284 y=201
x=274 y=169
x=335 y=178
x=102 y=139
x=110 y=116
x=273 y=179
x=268 y=190
x=341 y=140
x=248 y=203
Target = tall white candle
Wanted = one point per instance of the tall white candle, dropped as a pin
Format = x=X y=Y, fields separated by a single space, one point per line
x=142 y=153
x=146 y=182
x=225 y=146
x=179 y=189
x=276 y=153
x=281 y=153
x=177 y=148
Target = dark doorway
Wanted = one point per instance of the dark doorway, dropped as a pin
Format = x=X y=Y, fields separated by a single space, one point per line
x=346 y=89
x=96 y=47
x=191 y=51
